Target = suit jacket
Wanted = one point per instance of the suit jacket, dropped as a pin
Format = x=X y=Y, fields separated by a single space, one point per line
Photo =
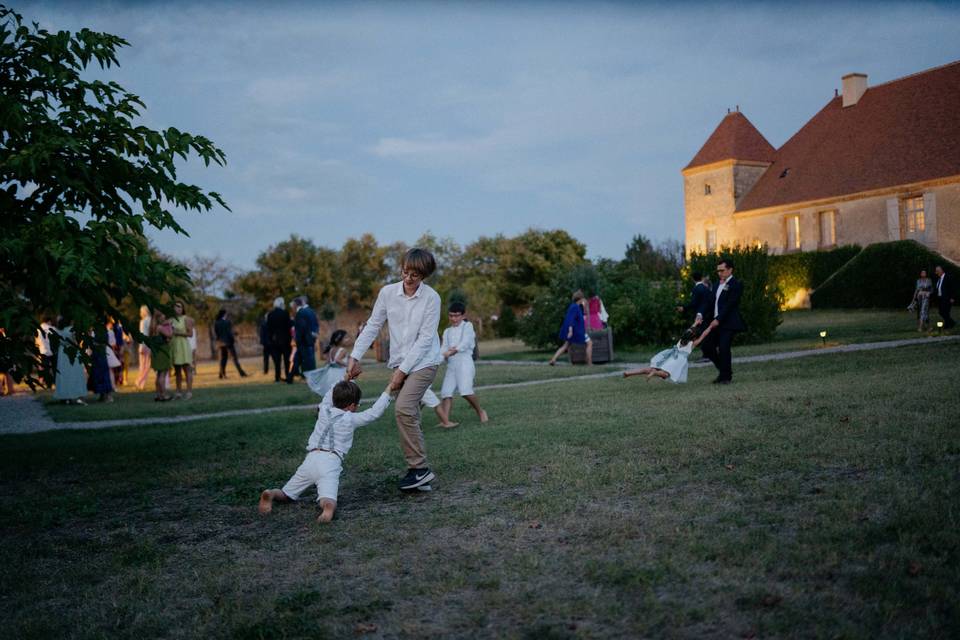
x=306 y=326
x=223 y=330
x=947 y=287
x=278 y=328
x=701 y=301
x=728 y=306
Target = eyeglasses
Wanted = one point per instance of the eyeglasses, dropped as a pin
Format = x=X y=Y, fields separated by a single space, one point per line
x=412 y=275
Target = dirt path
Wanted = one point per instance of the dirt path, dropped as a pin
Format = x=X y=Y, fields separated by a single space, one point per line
x=22 y=413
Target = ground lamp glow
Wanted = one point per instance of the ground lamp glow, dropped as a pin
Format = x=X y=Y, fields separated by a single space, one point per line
x=823 y=336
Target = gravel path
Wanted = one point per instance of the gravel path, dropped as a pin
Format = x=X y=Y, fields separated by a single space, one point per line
x=23 y=413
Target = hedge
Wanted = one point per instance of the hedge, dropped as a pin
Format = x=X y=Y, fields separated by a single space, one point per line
x=809 y=269
x=882 y=275
x=762 y=298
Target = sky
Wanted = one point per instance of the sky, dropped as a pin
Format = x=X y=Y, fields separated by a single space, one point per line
x=472 y=119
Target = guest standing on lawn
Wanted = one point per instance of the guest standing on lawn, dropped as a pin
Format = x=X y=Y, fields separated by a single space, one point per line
x=412 y=310
x=700 y=300
x=160 y=360
x=226 y=342
x=945 y=296
x=71 y=378
x=180 y=350
x=278 y=331
x=921 y=300
x=143 y=351
x=573 y=330
x=725 y=322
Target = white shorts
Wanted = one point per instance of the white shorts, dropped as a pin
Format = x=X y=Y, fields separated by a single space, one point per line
x=459 y=376
x=430 y=399
x=320 y=468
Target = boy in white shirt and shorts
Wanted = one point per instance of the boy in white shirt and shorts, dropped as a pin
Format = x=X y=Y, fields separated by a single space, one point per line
x=329 y=443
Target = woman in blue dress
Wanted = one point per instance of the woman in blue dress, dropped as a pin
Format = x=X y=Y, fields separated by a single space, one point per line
x=573 y=330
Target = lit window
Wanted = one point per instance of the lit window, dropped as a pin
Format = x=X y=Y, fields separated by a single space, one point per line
x=793 y=233
x=706 y=189
x=912 y=217
x=711 y=240
x=828 y=228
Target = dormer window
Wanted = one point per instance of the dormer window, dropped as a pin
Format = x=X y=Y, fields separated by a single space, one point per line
x=706 y=188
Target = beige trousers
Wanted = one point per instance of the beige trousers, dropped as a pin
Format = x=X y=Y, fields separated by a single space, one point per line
x=408 y=416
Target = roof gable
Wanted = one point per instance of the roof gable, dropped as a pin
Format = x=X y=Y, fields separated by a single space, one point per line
x=899 y=132
x=735 y=138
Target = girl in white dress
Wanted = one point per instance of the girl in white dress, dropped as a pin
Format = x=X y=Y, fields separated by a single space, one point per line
x=457 y=346
x=671 y=364
x=323 y=379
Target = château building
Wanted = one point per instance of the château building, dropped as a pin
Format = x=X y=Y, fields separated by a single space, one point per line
x=875 y=164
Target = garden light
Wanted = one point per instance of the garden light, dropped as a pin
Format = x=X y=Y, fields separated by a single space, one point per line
x=823 y=336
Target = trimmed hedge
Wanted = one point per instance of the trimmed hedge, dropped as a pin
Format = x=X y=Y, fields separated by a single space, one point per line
x=809 y=269
x=762 y=298
x=882 y=275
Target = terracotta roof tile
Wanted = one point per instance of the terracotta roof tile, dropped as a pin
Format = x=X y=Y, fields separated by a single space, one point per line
x=734 y=138
x=903 y=131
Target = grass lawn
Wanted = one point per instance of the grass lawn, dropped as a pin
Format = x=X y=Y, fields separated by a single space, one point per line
x=812 y=498
x=799 y=331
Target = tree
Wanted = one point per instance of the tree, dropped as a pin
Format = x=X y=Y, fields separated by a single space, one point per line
x=663 y=261
x=531 y=261
x=80 y=184
x=211 y=279
x=293 y=267
x=362 y=269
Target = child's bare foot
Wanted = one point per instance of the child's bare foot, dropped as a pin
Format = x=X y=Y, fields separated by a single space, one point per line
x=484 y=417
x=448 y=425
x=266 y=502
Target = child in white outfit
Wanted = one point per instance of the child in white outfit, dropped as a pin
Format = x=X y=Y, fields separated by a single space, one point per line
x=456 y=347
x=329 y=443
x=671 y=364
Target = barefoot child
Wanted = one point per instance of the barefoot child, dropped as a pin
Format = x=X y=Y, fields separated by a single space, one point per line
x=671 y=364
x=329 y=443
x=457 y=348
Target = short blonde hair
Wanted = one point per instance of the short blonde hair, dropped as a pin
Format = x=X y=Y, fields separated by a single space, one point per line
x=420 y=260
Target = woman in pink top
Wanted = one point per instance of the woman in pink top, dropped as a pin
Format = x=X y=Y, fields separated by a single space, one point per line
x=597 y=318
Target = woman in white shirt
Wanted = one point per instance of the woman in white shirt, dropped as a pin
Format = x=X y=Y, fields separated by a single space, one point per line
x=143 y=351
x=456 y=347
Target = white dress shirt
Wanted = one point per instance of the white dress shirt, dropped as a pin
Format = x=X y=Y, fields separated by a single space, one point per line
x=413 y=322
x=462 y=337
x=716 y=300
x=940 y=285
x=334 y=428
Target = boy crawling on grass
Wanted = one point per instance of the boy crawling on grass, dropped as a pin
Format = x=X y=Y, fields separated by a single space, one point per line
x=330 y=441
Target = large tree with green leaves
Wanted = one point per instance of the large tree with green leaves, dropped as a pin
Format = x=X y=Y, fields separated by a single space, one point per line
x=80 y=183
x=296 y=266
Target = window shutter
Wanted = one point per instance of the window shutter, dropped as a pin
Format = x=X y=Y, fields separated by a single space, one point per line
x=893 y=218
x=930 y=216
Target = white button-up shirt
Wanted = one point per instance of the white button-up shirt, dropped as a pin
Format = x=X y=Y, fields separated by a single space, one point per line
x=413 y=322
x=462 y=337
x=334 y=428
x=716 y=299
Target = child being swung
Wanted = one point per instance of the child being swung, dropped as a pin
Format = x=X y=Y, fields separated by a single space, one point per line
x=329 y=443
x=671 y=364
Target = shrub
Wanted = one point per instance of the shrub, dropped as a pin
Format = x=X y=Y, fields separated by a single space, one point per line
x=882 y=275
x=807 y=270
x=762 y=298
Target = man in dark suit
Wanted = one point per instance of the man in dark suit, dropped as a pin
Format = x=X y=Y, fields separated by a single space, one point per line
x=306 y=327
x=943 y=286
x=278 y=335
x=725 y=322
x=700 y=300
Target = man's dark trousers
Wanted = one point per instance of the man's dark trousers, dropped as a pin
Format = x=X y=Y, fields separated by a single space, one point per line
x=944 y=308
x=716 y=346
x=276 y=353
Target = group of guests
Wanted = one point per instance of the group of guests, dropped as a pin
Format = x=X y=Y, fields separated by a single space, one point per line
x=278 y=330
x=583 y=315
x=174 y=349
x=941 y=288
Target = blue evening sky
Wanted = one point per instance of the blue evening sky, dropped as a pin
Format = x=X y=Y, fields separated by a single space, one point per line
x=470 y=119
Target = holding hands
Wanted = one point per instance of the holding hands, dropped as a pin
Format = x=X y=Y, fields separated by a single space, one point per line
x=353 y=368
x=396 y=380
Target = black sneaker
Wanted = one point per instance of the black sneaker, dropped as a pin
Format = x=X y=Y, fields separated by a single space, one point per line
x=416 y=478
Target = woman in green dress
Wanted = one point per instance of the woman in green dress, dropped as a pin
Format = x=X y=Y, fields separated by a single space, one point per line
x=180 y=351
x=160 y=360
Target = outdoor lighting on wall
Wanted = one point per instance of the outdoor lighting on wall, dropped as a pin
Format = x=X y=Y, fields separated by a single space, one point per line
x=823 y=336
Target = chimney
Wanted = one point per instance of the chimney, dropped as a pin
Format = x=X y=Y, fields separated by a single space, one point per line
x=854 y=86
